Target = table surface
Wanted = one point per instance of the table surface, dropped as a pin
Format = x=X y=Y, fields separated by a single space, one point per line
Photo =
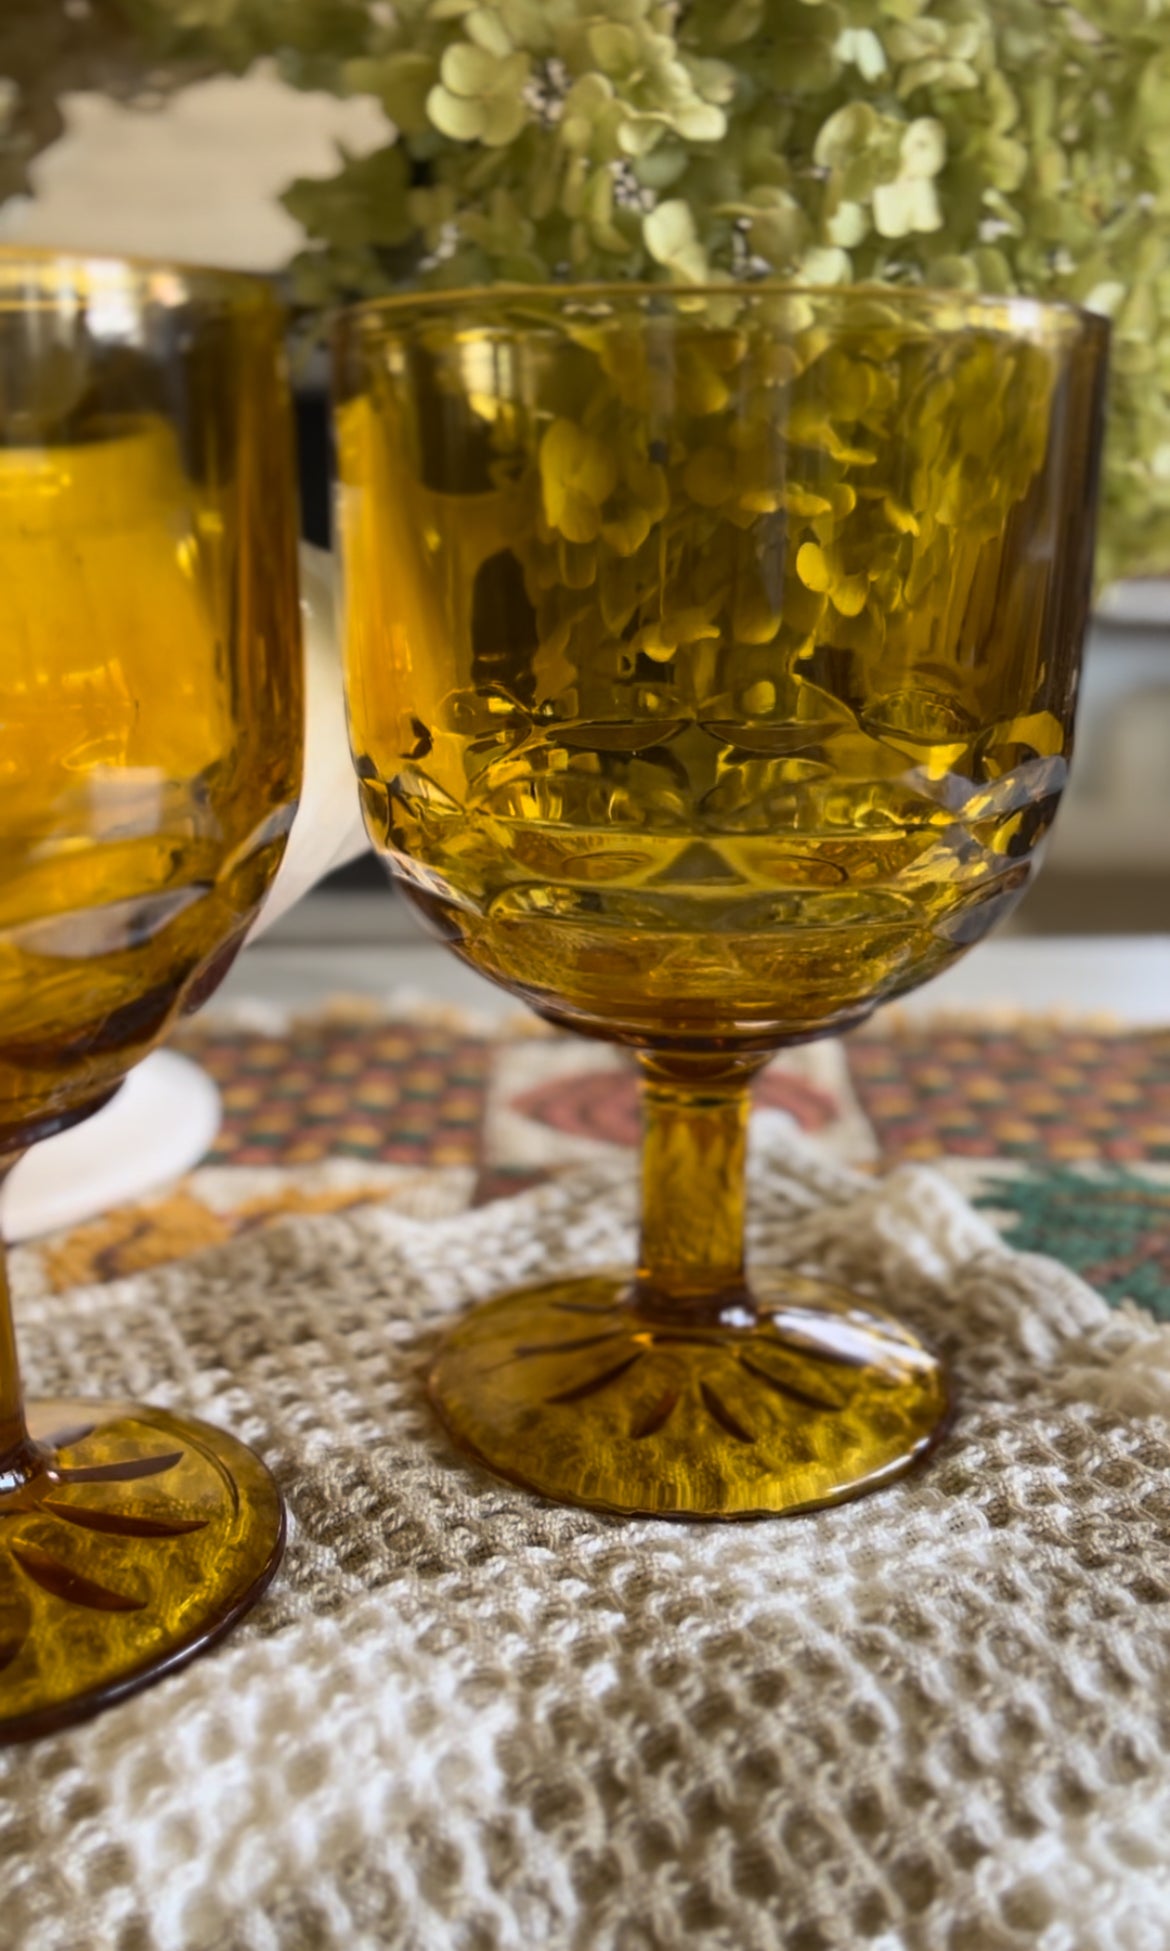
x=1036 y=1075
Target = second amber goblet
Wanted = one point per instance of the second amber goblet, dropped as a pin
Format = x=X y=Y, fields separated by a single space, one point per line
x=150 y=767
x=712 y=659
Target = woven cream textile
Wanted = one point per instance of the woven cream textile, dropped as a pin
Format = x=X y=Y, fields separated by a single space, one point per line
x=464 y=1720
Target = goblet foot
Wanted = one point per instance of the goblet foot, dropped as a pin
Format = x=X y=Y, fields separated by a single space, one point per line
x=802 y=1396
x=140 y=1540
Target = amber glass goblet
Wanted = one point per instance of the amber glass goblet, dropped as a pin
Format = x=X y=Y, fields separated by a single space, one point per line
x=711 y=659
x=150 y=755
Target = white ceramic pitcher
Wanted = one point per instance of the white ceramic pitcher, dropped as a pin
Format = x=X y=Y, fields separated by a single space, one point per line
x=328 y=830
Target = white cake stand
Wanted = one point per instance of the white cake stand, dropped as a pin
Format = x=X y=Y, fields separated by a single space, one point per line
x=158 y=1125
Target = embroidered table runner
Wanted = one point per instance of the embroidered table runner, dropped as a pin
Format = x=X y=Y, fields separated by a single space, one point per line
x=463 y=1718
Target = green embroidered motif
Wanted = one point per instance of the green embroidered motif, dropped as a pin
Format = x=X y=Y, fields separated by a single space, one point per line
x=1111 y=1225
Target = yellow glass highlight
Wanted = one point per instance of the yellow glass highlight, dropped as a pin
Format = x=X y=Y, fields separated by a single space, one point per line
x=150 y=756
x=712 y=659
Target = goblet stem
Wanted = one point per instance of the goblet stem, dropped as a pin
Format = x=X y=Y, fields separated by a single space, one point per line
x=18 y=1455
x=691 y=1263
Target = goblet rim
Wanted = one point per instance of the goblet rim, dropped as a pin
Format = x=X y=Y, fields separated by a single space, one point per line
x=79 y=267
x=1018 y=306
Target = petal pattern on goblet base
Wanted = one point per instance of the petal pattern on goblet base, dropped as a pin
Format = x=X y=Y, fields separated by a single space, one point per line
x=569 y=1389
x=142 y=1541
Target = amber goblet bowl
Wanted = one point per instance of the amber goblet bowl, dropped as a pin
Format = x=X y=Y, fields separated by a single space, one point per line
x=711 y=664
x=150 y=759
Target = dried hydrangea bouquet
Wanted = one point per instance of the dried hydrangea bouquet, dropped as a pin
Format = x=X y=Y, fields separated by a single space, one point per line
x=995 y=145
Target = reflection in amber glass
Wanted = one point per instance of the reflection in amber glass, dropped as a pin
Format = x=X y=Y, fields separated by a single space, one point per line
x=712 y=674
